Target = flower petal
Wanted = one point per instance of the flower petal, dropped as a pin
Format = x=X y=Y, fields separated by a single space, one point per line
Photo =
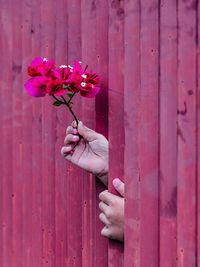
x=35 y=88
x=90 y=92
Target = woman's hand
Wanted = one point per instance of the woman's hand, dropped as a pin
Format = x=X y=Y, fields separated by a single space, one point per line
x=90 y=153
x=112 y=215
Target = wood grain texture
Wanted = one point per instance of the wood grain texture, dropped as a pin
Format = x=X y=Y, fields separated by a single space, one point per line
x=146 y=53
x=102 y=15
x=6 y=134
x=168 y=132
x=116 y=111
x=132 y=111
x=198 y=139
x=186 y=215
x=149 y=133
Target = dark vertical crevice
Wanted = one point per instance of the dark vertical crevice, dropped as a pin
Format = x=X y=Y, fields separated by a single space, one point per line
x=197 y=129
x=159 y=107
x=177 y=68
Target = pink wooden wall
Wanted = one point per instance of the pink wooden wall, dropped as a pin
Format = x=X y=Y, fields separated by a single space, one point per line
x=146 y=53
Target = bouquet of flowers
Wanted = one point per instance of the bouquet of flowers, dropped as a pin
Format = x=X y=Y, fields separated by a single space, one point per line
x=65 y=81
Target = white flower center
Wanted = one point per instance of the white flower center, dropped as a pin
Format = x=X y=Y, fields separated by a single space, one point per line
x=84 y=76
x=63 y=66
x=83 y=84
x=45 y=59
x=70 y=67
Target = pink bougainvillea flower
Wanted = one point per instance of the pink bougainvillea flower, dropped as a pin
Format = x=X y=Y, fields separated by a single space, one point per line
x=90 y=77
x=56 y=83
x=55 y=87
x=41 y=67
x=89 y=90
x=75 y=78
x=37 y=86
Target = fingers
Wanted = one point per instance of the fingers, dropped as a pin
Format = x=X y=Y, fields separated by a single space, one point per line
x=71 y=130
x=119 y=186
x=88 y=134
x=66 y=152
x=107 y=197
x=74 y=124
x=70 y=138
x=105 y=232
x=103 y=219
x=103 y=207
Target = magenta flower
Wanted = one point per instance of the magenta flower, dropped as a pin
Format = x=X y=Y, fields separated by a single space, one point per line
x=55 y=87
x=89 y=90
x=45 y=79
x=37 y=86
x=75 y=78
x=41 y=67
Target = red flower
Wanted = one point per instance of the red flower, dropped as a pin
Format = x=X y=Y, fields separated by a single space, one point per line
x=55 y=87
x=91 y=78
x=89 y=90
x=75 y=78
x=57 y=81
x=41 y=67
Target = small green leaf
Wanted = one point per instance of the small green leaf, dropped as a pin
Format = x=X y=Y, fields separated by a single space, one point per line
x=65 y=87
x=70 y=95
x=57 y=103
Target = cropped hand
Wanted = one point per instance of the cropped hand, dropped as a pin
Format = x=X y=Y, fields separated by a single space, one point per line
x=89 y=153
x=112 y=214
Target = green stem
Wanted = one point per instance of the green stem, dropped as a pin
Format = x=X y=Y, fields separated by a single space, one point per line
x=71 y=98
x=70 y=109
x=57 y=99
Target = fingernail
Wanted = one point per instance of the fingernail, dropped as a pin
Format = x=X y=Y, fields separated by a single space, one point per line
x=116 y=182
x=67 y=149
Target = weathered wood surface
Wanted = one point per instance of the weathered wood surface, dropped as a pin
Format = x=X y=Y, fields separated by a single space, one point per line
x=147 y=54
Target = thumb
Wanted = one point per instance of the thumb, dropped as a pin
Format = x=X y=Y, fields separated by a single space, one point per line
x=119 y=186
x=88 y=134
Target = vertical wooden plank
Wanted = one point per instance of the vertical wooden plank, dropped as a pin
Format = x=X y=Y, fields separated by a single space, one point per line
x=116 y=110
x=74 y=175
x=61 y=122
x=17 y=105
x=88 y=32
x=6 y=132
x=132 y=125
x=102 y=20
x=187 y=133
x=48 y=139
x=27 y=139
x=149 y=142
x=168 y=133
x=198 y=135
x=36 y=246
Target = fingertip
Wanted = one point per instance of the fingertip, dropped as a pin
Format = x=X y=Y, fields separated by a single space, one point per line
x=105 y=231
x=75 y=131
x=66 y=150
x=74 y=124
x=116 y=182
x=80 y=124
x=75 y=138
